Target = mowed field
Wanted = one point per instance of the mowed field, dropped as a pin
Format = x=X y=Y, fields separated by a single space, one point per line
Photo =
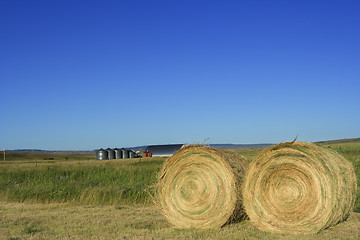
x=74 y=196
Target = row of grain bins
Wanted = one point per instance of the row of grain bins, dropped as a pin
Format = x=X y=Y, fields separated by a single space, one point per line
x=116 y=153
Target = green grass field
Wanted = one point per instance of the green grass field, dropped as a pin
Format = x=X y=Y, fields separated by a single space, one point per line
x=108 y=182
x=77 y=197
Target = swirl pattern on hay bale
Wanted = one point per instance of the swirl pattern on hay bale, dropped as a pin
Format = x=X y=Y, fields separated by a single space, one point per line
x=299 y=188
x=200 y=187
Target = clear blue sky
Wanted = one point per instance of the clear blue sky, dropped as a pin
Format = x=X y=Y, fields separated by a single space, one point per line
x=80 y=75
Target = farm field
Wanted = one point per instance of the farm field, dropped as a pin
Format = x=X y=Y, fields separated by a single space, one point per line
x=135 y=221
x=73 y=196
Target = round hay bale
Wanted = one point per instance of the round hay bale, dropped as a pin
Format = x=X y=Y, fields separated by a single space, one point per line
x=200 y=187
x=299 y=188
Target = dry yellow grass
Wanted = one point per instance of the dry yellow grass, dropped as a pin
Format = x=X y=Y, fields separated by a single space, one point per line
x=75 y=222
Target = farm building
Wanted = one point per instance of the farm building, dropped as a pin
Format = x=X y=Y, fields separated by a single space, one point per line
x=162 y=150
x=147 y=154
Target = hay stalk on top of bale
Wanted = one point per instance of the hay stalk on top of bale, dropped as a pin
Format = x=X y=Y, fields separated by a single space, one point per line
x=299 y=188
x=200 y=187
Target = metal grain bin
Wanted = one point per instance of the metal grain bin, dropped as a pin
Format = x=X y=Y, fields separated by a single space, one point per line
x=125 y=153
x=101 y=154
x=131 y=154
x=111 y=153
x=118 y=153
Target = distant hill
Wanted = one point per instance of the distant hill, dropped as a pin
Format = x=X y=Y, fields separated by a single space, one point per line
x=49 y=151
x=240 y=147
x=28 y=150
x=340 y=141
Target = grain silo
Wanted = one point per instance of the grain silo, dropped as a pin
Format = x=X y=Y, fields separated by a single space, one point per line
x=101 y=154
x=118 y=154
x=125 y=153
x=132 y=154
x=111 y=153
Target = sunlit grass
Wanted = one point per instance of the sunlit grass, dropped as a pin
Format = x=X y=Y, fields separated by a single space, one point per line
x=68 y=221
x=102 y=182
x=82 y=180
x=110 y=200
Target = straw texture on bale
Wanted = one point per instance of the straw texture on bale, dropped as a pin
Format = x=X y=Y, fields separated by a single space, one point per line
x=299 y=188
x=200 y=187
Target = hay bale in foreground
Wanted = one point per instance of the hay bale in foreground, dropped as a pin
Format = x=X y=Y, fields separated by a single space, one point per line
x=200 y=187
x=299 y=188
